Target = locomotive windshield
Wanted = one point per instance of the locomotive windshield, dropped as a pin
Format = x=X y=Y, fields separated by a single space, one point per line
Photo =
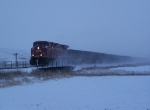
x=40 y=44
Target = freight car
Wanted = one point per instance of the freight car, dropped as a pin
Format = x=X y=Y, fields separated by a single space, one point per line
x=44 y=51
x=87 y=57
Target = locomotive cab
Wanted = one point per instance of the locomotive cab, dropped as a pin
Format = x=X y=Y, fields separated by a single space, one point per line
x=39 y=52
x=39 y=49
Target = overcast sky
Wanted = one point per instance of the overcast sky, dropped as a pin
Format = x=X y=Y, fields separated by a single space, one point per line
x=119 y=27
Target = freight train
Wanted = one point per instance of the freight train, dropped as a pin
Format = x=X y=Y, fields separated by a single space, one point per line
x=44 y=52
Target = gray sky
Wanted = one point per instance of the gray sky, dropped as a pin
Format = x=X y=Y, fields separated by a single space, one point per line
x=119 y=27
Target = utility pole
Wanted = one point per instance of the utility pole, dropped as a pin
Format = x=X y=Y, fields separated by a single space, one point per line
x=16 y=58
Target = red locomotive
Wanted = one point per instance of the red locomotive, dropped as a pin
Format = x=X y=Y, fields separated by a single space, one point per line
x=44 y=51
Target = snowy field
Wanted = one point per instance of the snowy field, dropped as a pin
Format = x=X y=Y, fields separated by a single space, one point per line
x=81 y=93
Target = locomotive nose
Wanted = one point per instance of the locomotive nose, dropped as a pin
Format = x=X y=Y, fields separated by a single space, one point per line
x=37 y=52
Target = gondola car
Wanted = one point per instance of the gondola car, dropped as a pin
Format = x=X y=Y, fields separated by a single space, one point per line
x=44 y=51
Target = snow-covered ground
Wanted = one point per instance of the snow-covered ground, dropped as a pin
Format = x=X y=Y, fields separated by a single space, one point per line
x=28 y=70
x=80 y=93
x=114 y=70
x=116 y=66
x=138 y=68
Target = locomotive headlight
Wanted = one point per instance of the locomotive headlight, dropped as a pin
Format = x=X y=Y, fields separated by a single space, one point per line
x=40 y=54
x=38 y=48
x=32 y=55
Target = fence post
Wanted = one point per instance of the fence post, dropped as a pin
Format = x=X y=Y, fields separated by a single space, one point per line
x=5 y=64
x=25 y=64
x=11 y=64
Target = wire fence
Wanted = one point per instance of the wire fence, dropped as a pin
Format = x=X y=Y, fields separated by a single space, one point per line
x=11 y=64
